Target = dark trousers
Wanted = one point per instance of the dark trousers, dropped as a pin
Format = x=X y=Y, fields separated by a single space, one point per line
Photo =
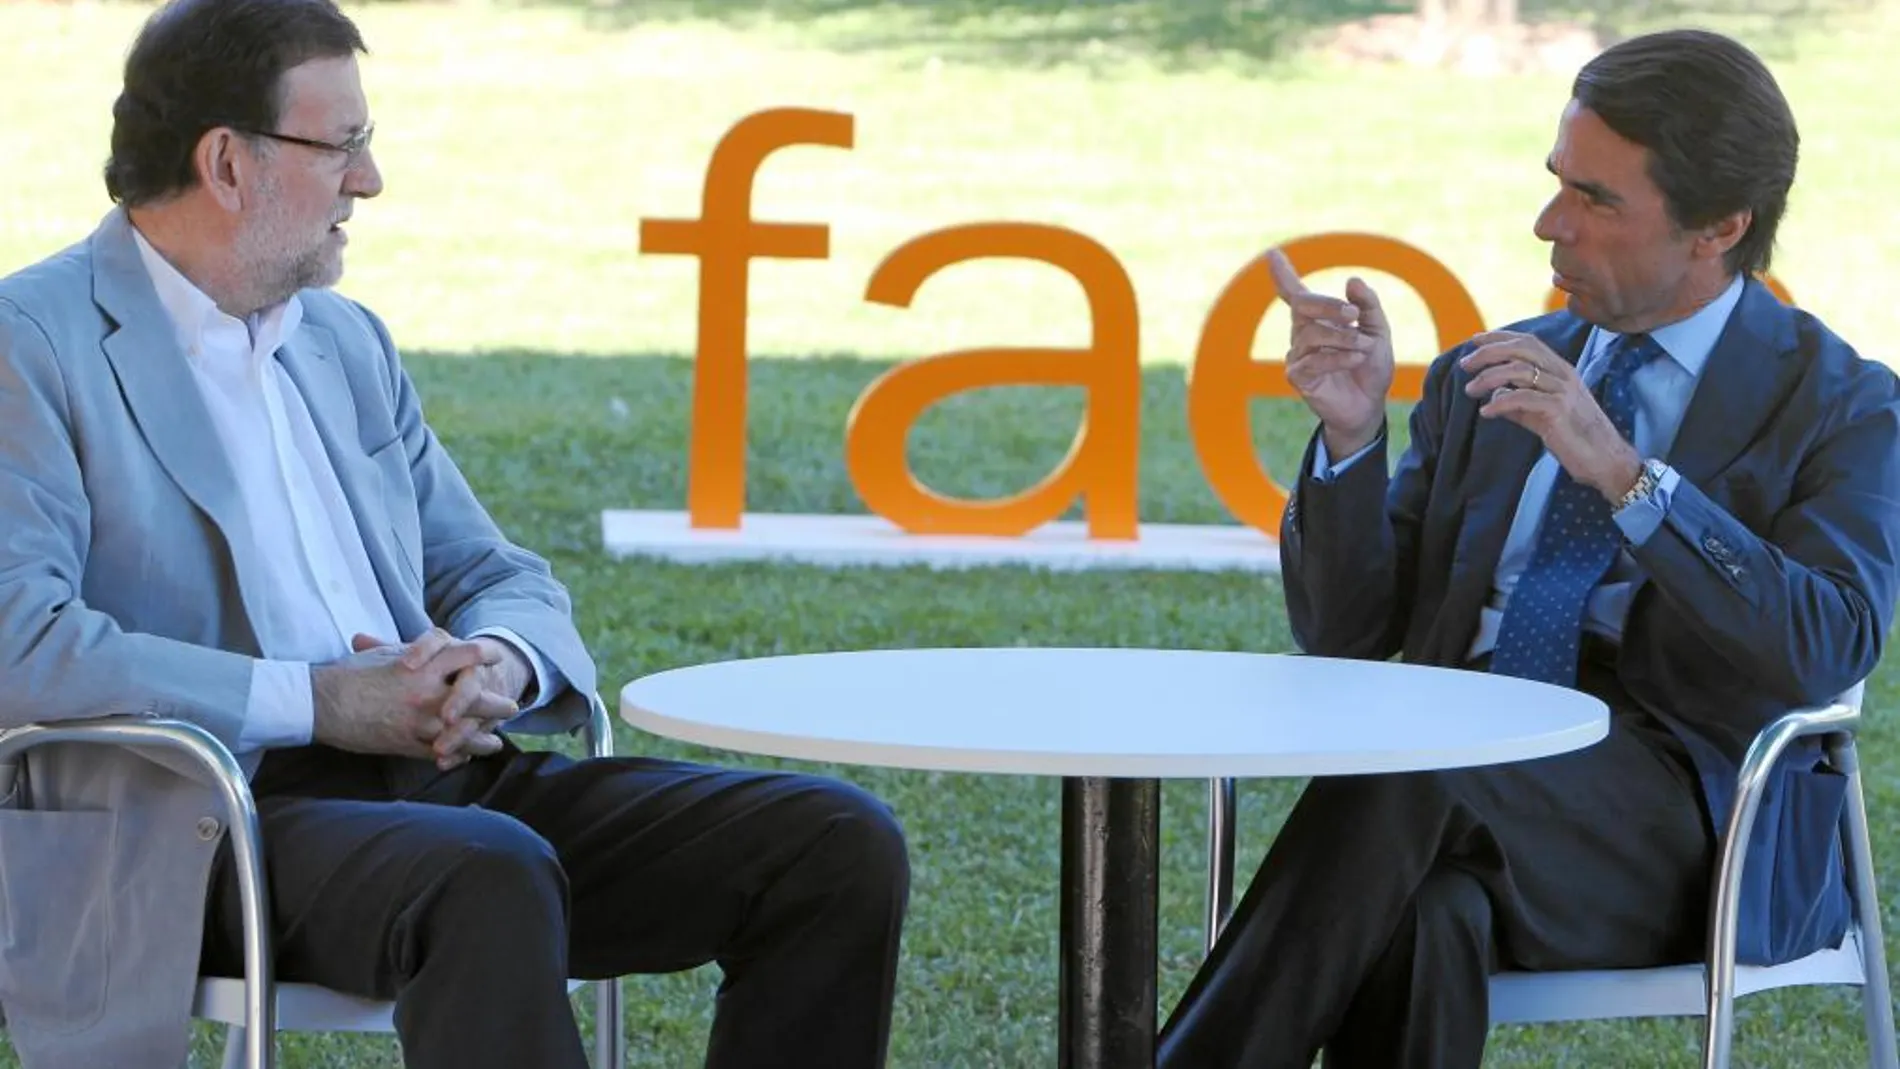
x=473 y=899
x=1385 y=902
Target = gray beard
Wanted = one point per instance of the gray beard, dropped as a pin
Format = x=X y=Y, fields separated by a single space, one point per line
x=307 y=272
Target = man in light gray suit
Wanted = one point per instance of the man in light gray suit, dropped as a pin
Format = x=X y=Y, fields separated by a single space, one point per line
x=219 y=502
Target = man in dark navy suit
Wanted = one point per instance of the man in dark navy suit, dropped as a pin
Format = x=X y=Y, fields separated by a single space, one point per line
x=1677 y=494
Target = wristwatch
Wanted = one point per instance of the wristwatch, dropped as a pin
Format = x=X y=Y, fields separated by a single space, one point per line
x=1646 y=482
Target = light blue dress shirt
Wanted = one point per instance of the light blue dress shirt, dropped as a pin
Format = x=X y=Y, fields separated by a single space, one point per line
x=1663 y=389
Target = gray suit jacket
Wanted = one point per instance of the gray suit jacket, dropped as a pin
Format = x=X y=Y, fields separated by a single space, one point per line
x=121 y=542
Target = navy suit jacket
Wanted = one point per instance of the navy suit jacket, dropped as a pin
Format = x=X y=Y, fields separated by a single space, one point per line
x=1770 y=586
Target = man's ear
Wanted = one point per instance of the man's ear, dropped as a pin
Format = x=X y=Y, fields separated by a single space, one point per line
x=1715 y=240
x=224 y=162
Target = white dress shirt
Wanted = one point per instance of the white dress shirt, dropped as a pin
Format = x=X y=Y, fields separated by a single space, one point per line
x=317 y=588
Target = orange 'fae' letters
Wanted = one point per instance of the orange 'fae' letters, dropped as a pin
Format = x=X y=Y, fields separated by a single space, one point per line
x=1102 y=465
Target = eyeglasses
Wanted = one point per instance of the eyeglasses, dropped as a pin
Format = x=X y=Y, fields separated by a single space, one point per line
x=352 y=148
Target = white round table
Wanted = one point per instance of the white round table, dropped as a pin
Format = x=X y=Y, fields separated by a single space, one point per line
x=1112 y=722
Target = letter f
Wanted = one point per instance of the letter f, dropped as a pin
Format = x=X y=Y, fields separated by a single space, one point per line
x=726 y=238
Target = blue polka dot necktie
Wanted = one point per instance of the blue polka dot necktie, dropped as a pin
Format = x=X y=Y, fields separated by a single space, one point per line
x=1542 y=630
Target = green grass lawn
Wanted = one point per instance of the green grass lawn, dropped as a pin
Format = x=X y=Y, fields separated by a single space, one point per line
x=522 y=147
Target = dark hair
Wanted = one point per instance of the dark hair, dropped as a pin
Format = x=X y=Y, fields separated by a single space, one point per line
x=200 y=64
x=1719 y=133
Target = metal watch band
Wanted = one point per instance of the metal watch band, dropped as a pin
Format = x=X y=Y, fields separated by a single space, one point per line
x=1646 y=482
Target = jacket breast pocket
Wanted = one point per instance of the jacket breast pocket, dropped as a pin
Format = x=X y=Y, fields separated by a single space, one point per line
x=55 y=917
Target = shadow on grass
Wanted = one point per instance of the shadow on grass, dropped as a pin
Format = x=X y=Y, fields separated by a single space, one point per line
x=1771 y=27
x=1028 y=33
x=1176 y=34
x=549 y=439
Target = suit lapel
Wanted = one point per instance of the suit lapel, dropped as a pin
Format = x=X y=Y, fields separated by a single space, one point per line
x=161 y=392
x=310 y=359
x=1750 y=370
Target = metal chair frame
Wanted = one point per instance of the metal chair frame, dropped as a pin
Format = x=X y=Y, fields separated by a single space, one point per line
x=251 y=1030
x=1708 y=989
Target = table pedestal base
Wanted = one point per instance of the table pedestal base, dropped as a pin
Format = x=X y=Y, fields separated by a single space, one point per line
x=1111 y=832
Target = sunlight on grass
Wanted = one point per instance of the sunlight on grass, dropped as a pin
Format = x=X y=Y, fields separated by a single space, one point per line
x=522 y=148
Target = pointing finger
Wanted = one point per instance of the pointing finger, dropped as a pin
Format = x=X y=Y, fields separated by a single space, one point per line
x=1304 y=302
x=1285 y=279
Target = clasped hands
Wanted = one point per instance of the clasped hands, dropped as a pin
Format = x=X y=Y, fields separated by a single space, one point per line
x=1341 y=363
x=437 y=697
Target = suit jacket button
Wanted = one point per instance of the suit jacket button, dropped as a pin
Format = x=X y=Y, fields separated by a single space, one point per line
x=208 y=828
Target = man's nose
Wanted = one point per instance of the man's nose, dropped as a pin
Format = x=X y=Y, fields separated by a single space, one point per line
x=365 y=179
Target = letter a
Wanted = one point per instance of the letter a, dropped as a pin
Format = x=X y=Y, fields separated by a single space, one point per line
x=1102 y=464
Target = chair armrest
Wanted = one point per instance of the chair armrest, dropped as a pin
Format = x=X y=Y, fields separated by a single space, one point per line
x=597 y=729
x=174 y=736
x=600 y=728
x=234 y=789
x=1838 y=719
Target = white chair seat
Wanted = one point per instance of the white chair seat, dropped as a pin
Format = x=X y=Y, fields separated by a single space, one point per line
x=302 y=1007
x=1527 y=997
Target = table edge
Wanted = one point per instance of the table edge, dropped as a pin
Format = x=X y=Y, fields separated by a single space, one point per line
x=1138 y=766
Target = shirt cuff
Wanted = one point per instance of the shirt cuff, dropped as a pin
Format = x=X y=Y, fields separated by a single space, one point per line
x=548 y=679
x=281 y=711
x=1325 y=471
x=1640 y=518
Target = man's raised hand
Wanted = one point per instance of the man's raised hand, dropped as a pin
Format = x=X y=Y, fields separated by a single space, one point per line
x=1340 y=359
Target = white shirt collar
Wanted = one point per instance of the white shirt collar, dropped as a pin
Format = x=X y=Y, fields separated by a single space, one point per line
x=1690 y=341
x=202 y=328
